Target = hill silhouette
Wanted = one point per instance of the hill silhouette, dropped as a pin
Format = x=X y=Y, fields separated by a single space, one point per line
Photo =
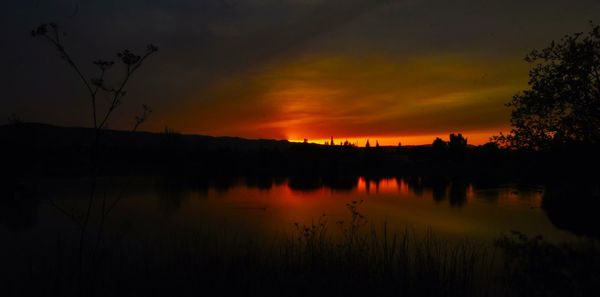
x=57 y=137
x=29 y=149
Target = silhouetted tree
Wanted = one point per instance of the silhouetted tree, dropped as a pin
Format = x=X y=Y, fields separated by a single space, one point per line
x=488 y=151
x=367 y=145
x=439 y=144
x=492 y=146
x=169 y=131
x=562 y=104
x=439 y=147
x=457 y=143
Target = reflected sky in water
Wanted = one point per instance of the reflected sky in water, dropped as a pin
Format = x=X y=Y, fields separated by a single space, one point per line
x=150 y=207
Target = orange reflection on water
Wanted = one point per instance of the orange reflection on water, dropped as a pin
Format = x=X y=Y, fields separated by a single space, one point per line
x=449 y=207
x=385 y=185
x=531 y=197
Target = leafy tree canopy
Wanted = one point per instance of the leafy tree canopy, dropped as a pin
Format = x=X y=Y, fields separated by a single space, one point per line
x=562 y=104
x=457 y=142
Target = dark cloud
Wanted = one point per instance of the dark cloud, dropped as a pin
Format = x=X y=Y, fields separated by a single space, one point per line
x=212 y=51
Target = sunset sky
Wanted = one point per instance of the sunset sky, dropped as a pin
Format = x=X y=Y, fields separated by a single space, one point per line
x=386 y=70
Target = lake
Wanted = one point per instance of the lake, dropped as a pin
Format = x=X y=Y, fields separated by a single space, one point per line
x=165 y=207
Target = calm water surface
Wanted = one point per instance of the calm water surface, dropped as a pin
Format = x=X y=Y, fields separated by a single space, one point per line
x=155 y=207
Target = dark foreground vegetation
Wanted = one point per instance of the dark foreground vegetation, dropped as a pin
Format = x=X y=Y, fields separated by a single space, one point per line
x=319 y=259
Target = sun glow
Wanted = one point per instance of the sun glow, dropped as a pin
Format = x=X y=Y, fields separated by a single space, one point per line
x=380 y=98
x=475 y=138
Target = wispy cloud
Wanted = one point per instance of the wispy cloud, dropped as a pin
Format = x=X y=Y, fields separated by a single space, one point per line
x=315 y=97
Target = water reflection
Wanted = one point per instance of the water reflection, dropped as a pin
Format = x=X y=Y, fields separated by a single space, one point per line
x=341 y=183
x=574 y=207
x=486 y=208
x=305 y=183
x=171 y=193
x=458 y=193
x=455 y=191
x=416 y=185
x=439 y=187
x=337 y=183
x=263 y=182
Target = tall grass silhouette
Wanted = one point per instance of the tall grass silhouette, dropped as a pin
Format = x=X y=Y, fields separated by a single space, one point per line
x=351 y=258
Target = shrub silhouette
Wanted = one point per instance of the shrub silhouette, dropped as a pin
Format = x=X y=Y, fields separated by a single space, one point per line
x=96 y=85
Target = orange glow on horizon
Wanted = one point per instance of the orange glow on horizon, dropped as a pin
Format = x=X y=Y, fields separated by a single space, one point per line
x=473 y=138
x=411 y=100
